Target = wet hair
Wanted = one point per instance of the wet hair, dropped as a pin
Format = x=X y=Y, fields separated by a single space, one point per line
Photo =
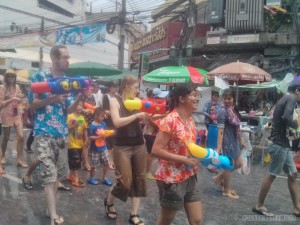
x=214 y=93
x=98 y=110
x=230 y=93
x=55 y=50
x=128 y=80
x=182 y=90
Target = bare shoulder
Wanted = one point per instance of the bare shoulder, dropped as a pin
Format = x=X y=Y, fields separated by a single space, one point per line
x=114 y=103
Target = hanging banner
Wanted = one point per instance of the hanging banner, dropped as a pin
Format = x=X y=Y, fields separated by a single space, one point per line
x=27 y=40
x=81 y=35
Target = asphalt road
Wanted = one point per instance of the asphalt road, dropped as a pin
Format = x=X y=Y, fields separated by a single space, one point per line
x=84 y=206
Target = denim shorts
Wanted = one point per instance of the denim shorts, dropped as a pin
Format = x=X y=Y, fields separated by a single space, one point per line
x=174 y=196
x=281 y=158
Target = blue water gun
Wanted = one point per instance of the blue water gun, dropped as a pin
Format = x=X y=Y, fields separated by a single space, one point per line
x=210 y=157
x=61 y=85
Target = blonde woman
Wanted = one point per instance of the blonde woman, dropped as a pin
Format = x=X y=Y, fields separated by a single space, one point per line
x=129 y=153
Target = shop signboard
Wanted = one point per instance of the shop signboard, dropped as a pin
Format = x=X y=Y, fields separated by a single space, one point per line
x=241 y=39
x=271 y=3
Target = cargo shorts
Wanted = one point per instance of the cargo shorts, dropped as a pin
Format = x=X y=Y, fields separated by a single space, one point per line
x=53 y=156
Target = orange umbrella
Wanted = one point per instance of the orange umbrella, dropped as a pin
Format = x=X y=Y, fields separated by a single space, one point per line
x=241 y=73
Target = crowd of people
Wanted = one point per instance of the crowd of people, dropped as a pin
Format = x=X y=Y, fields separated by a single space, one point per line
x=68 y=136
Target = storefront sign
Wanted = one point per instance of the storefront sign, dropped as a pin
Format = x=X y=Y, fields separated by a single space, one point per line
x=160 y=34
x=240 y=39
x=273 y=2
x=213 y=40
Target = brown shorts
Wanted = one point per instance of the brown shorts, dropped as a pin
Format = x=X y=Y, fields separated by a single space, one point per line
x=130 y=169
x=174 y=196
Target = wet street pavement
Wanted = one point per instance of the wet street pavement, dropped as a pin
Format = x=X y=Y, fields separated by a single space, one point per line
x=84 y=206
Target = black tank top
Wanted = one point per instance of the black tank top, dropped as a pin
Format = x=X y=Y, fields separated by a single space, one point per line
x=131 y=134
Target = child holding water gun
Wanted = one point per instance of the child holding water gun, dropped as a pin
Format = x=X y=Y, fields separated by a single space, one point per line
x=98 y=151
x=77 y=140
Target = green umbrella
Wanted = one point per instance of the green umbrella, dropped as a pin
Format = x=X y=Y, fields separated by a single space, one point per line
x=177 y=74
x=91 y=69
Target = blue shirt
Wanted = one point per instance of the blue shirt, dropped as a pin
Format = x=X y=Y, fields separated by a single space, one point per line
x=50 y=119
x=93 y=132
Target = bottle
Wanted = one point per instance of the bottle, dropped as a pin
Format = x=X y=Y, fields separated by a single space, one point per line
x=14 y=109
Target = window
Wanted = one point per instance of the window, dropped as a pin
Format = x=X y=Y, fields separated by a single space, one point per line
x=242 y=8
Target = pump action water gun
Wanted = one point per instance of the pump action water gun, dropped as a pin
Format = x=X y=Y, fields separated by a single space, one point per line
x=154 y=106
x=61 y=85
x=208 y=156
x=103 y=133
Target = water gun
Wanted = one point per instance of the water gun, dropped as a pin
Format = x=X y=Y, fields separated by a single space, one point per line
x=210 y=157
x=155 y=106
x=61 y=85
x=89 y=106
x=103 y=133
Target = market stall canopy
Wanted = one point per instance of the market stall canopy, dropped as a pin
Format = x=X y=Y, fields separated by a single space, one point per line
x=280 y=85
x=241 y=73
x=177 y=74
x=117 y=77
x=91 y=69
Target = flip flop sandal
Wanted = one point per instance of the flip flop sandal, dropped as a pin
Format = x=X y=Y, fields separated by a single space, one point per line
x=59 y=220
x=231 y=195
x=262 y=211
x=64 y=188
x=27 y=184
x=71 y=179
x=109 y=213
x=78 y=183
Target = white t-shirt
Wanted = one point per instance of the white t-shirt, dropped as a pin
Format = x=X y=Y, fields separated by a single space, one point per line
x=98 y=98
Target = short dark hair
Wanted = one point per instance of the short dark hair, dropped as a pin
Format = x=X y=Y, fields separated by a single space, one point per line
x=112 y=84
x=98 y=110
x=55 y=50
x=182 y=90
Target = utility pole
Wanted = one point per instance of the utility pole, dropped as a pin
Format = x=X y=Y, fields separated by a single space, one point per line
x=41 y=48
x=122 y=36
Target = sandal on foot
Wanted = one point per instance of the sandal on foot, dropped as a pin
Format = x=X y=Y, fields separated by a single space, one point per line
x=93 y=181
x=27 y=184
x=231 y=195
x=262 y=211
x=59 y=220
x=71 y=179
x=64 y=188
x=78 y=183
x=110 y=214
x=132 y=222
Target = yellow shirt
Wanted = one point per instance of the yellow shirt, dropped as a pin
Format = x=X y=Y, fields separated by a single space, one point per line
x=76 y=134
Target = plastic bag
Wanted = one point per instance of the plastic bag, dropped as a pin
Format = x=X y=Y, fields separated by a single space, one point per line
x=245 y=169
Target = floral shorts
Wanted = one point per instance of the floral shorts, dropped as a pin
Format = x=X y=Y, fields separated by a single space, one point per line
x=53 y=156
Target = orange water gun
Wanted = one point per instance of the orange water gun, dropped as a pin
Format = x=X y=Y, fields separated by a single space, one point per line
x=89 y=108
x=103 y=133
